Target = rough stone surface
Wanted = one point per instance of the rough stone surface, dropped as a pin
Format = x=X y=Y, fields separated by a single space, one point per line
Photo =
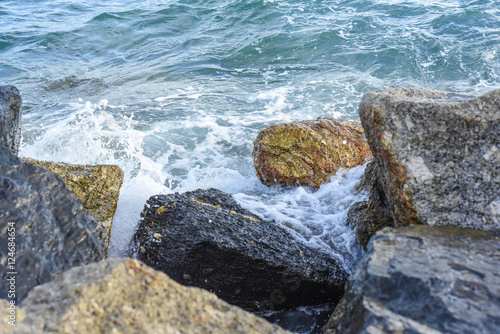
x=368 y=217
x=10 y=118
x=53 y=232
x=424 y=279
x=205 y=239
x=336 y=318
x=438 y=153
x=126 y=296
x=308 y=153
x=98 y=186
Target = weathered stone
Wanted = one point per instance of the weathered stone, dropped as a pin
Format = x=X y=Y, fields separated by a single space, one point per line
x=11 y=318
x=336 y=318
x=368 y=217
x=126 y=296
x=205 y=239
x=10 y=118
x=438 y=153
x=308 y=153
x=52 y=230
x=97 y=185
x=424 y=279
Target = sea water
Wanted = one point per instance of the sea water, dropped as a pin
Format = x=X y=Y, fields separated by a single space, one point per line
x=175 y=92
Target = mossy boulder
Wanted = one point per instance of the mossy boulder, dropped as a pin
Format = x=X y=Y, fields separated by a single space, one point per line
x=97 y=185
x=308 y=153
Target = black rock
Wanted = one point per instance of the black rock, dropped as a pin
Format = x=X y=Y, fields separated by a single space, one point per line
x=425 y=279
x=10 y=118
x=44 y=229
x=205 y=239
x=368 y=217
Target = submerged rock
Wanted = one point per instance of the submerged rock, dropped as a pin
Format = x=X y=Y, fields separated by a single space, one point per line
x=438 y=153
x=10 y=118
x=51 y=230
x=126 y=296
x=368 y=217
x=424 y=279
x=308 y=153
x=205 y=239
x=97 y=185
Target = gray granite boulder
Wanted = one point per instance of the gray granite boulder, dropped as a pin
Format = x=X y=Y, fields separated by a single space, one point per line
x=51 y=231
x=424 y=279
x=438 y=153
x=10 y=118
x=126 y=296
x=204 y=238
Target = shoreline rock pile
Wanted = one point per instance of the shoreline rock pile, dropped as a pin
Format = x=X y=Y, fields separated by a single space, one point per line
x=430 y=228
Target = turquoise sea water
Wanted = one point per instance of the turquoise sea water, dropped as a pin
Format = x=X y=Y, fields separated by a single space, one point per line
x=175 y=92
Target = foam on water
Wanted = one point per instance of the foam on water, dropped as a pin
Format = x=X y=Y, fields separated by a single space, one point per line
x=203 y=151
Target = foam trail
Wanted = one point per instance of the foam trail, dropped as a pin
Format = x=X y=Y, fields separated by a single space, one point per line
x=315 y=217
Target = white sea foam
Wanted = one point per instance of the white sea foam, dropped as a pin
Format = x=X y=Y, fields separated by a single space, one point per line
x=206 y=150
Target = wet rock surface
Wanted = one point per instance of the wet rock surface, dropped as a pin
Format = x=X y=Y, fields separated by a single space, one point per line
x=98 y=186
x=52 y=230
x=205 y=239
x=126 y=296
x=368 y=217
x=438 y=153
x=10 y=118
x=308 y=153
x=424 y=279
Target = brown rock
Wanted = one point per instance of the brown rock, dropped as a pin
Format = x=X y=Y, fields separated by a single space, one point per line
x=308 y=153
x=126 y=296
x=97 y=185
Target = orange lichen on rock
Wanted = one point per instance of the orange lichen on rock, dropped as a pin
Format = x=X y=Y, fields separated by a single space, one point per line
x=308 y=153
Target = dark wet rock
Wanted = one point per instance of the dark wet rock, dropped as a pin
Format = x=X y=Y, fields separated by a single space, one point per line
x=98 y=186
x=10 y=118
x=368 y=217
x=439 y=155
x=53 y=232
x=336 y=317
x=424 y=279
x=126 y=296
x=205 y=239
x=308 y=153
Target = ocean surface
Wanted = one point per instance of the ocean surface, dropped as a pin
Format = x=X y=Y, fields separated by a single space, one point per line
x=175 y=92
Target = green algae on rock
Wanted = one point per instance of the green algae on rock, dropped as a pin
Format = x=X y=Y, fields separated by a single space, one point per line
x=308 y=153
x=97 y=185
x=126 y=296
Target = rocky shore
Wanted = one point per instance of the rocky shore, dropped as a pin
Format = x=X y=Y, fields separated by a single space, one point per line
x=430 y=229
